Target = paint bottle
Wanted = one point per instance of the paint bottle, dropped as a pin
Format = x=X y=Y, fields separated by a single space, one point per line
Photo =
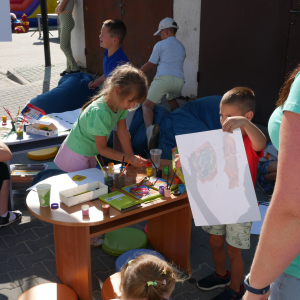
x=85 y=209
x=105 y=209
x=158 y=173
x=177 y=180
x=167 y=193
x=166 y=170
x=161 y=189
x=108 y=181
x=110 y=169
x=4 y=119
x=149 y=171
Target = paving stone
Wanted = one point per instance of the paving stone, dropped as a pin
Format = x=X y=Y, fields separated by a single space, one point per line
x=2 y=244
x=52 y=249
x=13 y=252
x=11 y=294
x=30 y=273
x=95 y=283
x=97 y=295
x=108 y=260
x=10 y=265
x=5 y=282
x=30 y=259
x=50 y=265
x=7 y=230
x=20 y=228
x=43 y=231
x=103 y=276
x=97 y=266
x=48 y=279
x=13 y=240
x=41 y=243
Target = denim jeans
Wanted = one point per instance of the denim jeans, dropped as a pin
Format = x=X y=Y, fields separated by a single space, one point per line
x=285 y=287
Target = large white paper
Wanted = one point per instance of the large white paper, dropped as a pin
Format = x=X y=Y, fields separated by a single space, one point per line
x=217 y=177
x=257 y=226
x=64 y=181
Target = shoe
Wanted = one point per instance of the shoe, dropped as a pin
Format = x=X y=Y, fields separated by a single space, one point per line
x=230 y=294
x=4 y=221
x=72 y=72
x=213 y=281
x=64 y=73
x=152 y=133
x=96 y=241
x=266 y=186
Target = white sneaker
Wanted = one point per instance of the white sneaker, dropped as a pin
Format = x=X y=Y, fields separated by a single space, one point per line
x=152 y=133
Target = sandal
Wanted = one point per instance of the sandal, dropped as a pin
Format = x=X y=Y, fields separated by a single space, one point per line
x=96 y=242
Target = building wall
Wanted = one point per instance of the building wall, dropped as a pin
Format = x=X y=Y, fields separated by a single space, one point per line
x=187 y=16
x=78 y=35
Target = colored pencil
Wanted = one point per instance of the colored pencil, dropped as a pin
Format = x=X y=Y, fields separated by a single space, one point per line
x=125 y=168
x=101 y=167
x=95 y=76
x=151 y=161
x=145 y=164
x=139 y=184
x=123 y=162
x=17 y=114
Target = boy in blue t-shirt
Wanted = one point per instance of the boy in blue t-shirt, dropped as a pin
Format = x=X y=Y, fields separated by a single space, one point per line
x=168 y=55
x=111 y=36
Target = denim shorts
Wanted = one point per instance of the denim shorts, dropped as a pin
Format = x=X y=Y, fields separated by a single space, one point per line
x=285 y=287
x=263 y=167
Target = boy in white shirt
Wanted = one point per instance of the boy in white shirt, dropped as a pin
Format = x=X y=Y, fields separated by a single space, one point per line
x=168 y=55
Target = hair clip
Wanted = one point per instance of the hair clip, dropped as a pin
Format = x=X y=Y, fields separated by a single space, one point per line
x=164 y=282
x=154 y=283
x=130 y=262
x=164 y=271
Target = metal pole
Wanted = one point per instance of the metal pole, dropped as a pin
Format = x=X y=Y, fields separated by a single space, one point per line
x=44 y=13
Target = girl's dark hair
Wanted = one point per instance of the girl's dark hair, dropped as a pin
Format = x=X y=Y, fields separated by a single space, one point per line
x=143 y=269
x=285 y=89
x=131 y=81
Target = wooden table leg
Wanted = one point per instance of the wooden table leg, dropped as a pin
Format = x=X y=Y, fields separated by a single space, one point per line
x=170 y=235
x=73 y=258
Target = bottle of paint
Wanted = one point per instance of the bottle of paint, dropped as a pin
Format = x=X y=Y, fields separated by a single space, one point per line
x=166 y=170
x=19 y=129
x=149 y=171
x=105 y=209
x=161 y=189
x=110 y=169
x=85 y=209
x=177 y=180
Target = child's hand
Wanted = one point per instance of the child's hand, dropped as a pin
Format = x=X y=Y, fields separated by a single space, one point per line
x=177 y=161
x=137 y=161
x=93 y=85
x=232 y=123
x=58 y=9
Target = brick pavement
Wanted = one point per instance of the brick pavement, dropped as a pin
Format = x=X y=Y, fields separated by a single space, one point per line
x=27 y=254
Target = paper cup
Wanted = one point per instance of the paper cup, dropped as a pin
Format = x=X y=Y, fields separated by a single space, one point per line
x=43 y=191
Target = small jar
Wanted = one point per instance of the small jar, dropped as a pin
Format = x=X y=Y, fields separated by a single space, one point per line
x=166 y=170
x=181 y=188
x=177 y=180
x=85 y=209
x=119 y=181
x=105 y=209
x=158 y=173
x=108 y=181
x=161 y=189
x=167 y=193
x=149 y=171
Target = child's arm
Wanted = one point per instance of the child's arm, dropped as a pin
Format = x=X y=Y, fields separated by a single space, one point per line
x=177 y=161
x=124 y=136
x=147 y=66
x=96 y=83
x=101 y=144
x=256 y=137
x=5 y=153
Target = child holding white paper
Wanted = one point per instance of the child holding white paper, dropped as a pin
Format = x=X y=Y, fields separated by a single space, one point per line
x=236 y=111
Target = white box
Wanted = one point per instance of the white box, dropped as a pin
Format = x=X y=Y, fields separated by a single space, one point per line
x=69 y=197
x=36 y=129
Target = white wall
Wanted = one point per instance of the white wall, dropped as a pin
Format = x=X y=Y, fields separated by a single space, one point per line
x=187 y=16
x=78 y=35
x=5 y=27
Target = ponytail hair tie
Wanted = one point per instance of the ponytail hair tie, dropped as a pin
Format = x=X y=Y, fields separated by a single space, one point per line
x=164 y=272
x=154 y=283
x=130 y=262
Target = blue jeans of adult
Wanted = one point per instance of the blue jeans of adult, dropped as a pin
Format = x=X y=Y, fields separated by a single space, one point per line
x=285 y=287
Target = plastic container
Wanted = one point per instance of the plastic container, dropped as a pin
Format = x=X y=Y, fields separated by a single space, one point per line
x=85 y=209
x=105 y=209
x=119 y=181
x=181 y=188
x=155 y=156
x=161 y=189
x=149 y=171
x=167 y=193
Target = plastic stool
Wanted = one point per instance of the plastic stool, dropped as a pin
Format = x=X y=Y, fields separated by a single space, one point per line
x=43 y=154
x=49 y=291
x=111 y=287
x=122 y=240
x=132 y=254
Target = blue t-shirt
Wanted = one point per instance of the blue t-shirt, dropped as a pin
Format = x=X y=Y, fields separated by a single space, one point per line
x=169 y=56
x=292 y=104
x=111 y=62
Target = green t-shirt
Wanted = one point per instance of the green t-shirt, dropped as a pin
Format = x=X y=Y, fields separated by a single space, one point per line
x=96 y=119
x=292 y=104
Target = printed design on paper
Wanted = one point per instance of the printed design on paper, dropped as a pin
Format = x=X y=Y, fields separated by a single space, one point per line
x=78 y=178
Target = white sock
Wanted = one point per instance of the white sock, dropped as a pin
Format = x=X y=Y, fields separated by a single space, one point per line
x=3 y=216
x=12 y=216
x=149 y=128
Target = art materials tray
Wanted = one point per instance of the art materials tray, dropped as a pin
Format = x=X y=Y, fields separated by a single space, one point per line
x=42 y=129
x=83 y=193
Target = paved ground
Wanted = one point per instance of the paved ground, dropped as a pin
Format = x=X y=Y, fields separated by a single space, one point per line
x=27 y=255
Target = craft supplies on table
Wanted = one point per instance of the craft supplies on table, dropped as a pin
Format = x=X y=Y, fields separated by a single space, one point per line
x=142 y=193
x=120 y=201
x=83 y=193
x=156 y=182
x=178 y=170
x=32 y=112
x=46 y=129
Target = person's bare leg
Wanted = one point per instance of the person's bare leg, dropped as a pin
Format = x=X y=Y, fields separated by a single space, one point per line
x=173 y=104
x=148 y=114
x=217 y=243
x=237 y=267
x=116 y=143
x=4 y=193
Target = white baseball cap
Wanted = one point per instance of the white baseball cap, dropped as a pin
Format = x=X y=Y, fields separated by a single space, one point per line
x=166 y=23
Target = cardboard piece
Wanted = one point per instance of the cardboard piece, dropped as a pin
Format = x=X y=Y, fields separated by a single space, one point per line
x=217 y=177
x=37 y=128
x=83 y=193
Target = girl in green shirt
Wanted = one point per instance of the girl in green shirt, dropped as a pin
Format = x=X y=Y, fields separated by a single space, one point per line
x=124 y=90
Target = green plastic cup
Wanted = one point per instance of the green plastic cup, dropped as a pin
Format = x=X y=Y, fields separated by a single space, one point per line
x=43 y=191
